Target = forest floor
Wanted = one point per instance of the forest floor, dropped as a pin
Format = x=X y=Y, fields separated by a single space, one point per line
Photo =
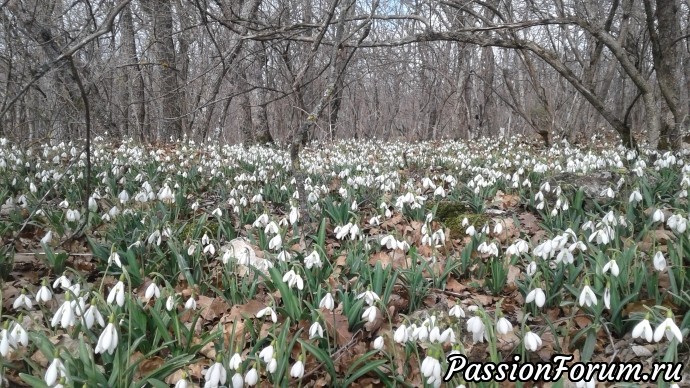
x=198 y=265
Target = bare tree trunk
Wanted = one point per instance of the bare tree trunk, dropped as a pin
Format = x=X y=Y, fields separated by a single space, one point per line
x=665 y=54
x=167 y=91
x=136 y=79
x=261 y=130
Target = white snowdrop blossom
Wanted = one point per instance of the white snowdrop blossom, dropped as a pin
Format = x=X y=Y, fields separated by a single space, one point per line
x=117 y=294
x=476 y=327
x=293 y=280
x=659 y=261
x=643 y=330
x=313 y=260
x=327 y=302
x=369 y=297
x=152 y=291
x=400 y=336
x=22 y=301
x=611 y=266
x=56 y=370
x=503 y=326
x=315 y=331
x=587 y=297
x=107 y=342
x=297 y=370
x=215 y=376
x=267 y=311
x=92 y=315
x=669 y=328
x=456 y=311
x=532 y=341
x=537 y=296
x=370 y=314
x=236 y=361
x=64 y=315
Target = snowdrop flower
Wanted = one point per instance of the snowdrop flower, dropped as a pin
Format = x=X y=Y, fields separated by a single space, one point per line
x=267 y=311
x=294 y=215
x=272 y=366
x=292 y=279
x=237 y=380
x=369 y=297
x=18 y=334
x=166 y=195
x=4 y=341
x=123 y=197
x=297 y=370
x=182 y=382
x=659 y=261
x=456 y=311
x=315 y=331
x=44 y=295
x=190 y=304
x=503 y=326
x=421 y=333
x=370 y=314
x=64 y=315
x=313 y=260
x=271 y=228
x=431 y=369
x=607 y=297
x=115 y=258
x=55 y=371
x=611 y=266
x=251 y=377
x=532 y=341
x=354 y=232
x=63 y=282
x=215 y=376
x=400 y=336
x=93 y=205
x=236 y=361
x=217 y=212
x=22 y=301
x=476 y=327
x=677 y=223
x=47 y=238
x=658 y=216
x=107 y=342
x=608 y=193
x=266 y=353
x=564 y=256
x=73 y=215
x=435 y=334
x=92 y=315
x=276 y=242
x=537 y=296
x=210 y=249
x=170 y=303
x=635 y=197
x=587 y=296
x=531 y=268
x=643 y=330
x=470 y=231
x=151 y=291
x=378 y=343
x=327 y=302
x=668 y=327
x=342 y=231
x=117 y=294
